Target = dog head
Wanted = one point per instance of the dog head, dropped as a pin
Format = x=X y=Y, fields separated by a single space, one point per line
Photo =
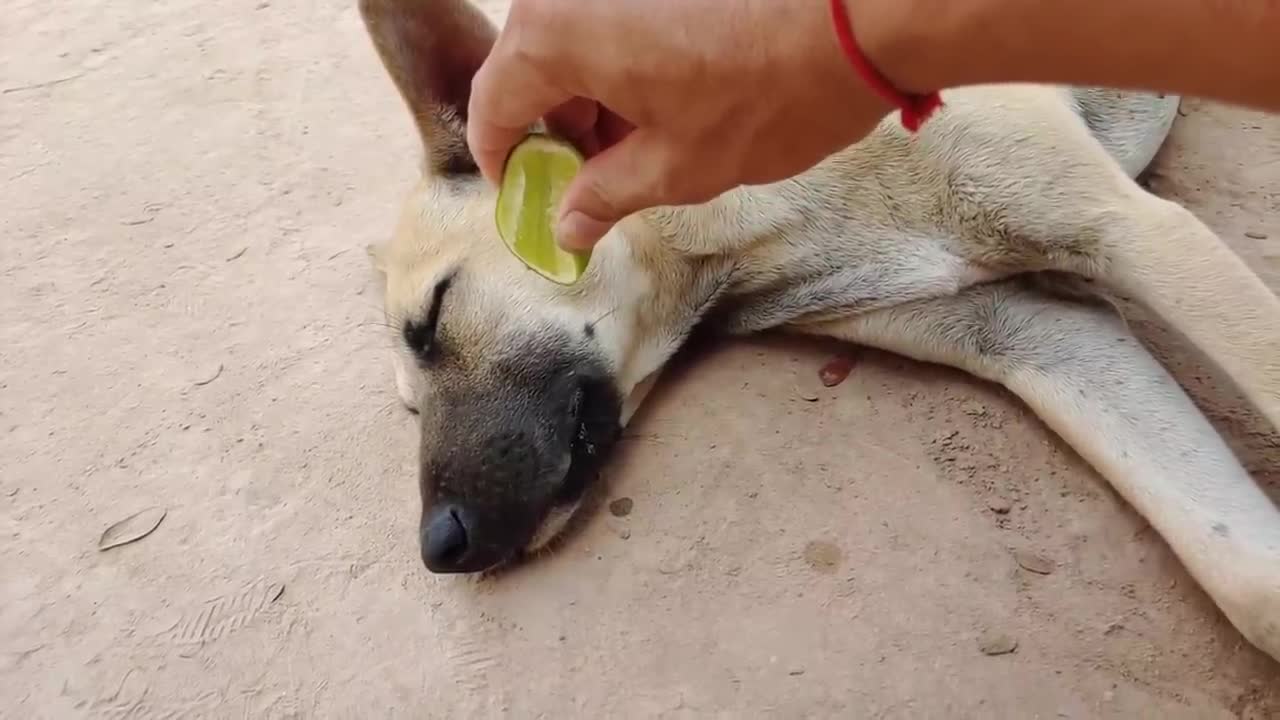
x=521 y=385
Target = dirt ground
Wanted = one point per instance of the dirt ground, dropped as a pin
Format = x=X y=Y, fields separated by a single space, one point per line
x=187 y=323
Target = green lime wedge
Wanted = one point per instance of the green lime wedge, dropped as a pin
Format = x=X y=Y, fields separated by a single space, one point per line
x=537 y=173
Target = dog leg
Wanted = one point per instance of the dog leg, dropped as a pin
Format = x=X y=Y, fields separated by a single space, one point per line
x=1080 y=369
x=1174 y=264
x=1061 y=202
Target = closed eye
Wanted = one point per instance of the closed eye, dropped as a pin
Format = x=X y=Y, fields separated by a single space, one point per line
x=420 y=335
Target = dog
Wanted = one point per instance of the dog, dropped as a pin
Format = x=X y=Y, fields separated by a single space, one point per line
x=992 y=241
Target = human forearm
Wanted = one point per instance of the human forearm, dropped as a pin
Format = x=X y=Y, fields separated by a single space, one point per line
x=1223 y=49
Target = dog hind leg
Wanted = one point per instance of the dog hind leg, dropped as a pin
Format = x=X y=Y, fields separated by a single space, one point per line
x=1081 y=370
x=1061 y=201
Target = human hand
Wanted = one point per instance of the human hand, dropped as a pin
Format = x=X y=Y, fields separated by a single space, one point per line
x=672 y=101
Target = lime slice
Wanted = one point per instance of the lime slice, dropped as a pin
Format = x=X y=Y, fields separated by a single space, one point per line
x=537 y=173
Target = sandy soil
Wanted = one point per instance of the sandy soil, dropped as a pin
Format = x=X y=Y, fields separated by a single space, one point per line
x=187 y=323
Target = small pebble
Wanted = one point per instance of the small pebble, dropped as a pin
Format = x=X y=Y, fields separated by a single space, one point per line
x=999 y=505
x=996 y=643
x=796 y=672
x=836 y=370
x=1255 y=235
x=1033 y=563
x=621 y=507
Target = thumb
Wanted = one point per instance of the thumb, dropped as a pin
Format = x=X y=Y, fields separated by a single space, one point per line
x=632 y=175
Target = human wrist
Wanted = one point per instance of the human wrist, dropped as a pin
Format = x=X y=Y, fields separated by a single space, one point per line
x=922 y=46
x=1226 y=52
x=808 y=46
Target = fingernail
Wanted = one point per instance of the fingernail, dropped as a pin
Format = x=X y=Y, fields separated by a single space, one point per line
x=577 y=231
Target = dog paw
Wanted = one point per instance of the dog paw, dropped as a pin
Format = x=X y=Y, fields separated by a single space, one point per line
x=1255 y=611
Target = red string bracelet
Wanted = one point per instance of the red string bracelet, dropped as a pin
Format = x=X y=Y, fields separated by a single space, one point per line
x=915 y=109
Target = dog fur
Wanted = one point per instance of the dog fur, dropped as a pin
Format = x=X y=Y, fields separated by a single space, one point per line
x=988 y=242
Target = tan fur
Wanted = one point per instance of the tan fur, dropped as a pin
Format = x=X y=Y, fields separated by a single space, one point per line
x=965 y=245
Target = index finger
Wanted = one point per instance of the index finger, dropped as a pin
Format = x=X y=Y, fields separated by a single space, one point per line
x=508 y=95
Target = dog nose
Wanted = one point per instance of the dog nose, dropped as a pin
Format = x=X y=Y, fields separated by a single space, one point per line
x=445 y=542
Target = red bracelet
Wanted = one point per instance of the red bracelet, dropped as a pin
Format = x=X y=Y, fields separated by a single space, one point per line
x=915 y=109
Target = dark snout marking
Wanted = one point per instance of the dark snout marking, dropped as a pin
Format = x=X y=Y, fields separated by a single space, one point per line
x=495 y=445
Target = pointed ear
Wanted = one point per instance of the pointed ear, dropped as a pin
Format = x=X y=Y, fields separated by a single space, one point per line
x=432 y=49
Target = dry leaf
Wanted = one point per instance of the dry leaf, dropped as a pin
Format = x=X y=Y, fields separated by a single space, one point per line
x=214 y=376
x=1033 y=563
x=132 y=529
x=806 y=393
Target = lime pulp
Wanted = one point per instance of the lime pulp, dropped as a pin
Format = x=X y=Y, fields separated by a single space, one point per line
x=537 y=172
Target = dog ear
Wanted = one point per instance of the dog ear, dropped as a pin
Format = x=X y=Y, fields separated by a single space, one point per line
x=432 y=49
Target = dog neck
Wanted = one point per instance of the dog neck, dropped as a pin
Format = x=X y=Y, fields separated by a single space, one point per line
x=656 y=294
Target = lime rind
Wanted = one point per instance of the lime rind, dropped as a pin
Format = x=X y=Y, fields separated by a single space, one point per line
x=537 y=172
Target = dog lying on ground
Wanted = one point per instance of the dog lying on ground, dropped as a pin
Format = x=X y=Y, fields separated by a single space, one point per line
x=987 y=242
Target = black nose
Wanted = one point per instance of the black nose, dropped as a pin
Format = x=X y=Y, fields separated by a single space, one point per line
x=445 y=543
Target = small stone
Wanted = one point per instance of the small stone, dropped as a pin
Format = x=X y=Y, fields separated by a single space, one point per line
x=994 y=642
x=806 y=393
x=624 y=533
x=999 y=505
x=1255 y=235
x=795 y=672
x=1033 y=563
x=621 y=507
x=836 y=370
